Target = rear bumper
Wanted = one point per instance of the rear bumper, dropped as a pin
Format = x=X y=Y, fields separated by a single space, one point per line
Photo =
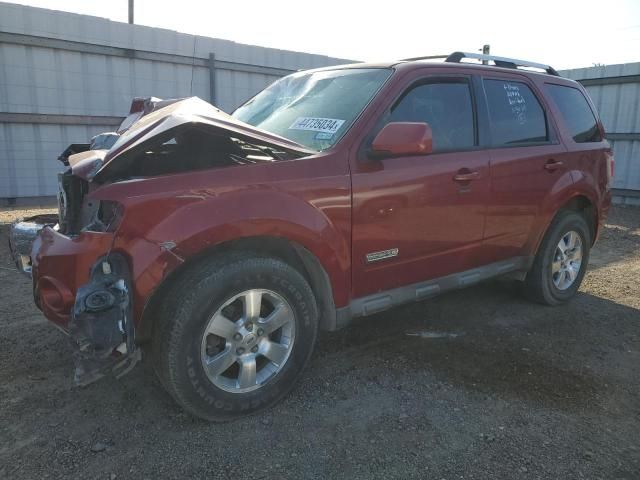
x=84 y=288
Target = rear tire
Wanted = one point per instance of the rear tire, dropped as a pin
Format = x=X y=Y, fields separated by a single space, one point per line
x=214 y=349
x=561 y=261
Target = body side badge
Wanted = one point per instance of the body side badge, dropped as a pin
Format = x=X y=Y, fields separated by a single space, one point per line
x=382 y=255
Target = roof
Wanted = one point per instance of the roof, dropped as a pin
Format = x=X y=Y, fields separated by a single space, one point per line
x=454 y=62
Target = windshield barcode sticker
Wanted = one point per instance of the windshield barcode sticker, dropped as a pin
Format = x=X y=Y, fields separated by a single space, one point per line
x=328 y=125
x=324 y=136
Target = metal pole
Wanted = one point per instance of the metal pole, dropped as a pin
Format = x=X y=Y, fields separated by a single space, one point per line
x=130 y=11
x=485 y=51
x=212 y=78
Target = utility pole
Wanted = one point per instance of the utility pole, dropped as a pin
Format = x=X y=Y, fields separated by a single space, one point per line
x=130 y=11
x=485 y=51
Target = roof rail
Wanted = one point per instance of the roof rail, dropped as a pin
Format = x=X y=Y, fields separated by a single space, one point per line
x=504 y=62
x=427 y=57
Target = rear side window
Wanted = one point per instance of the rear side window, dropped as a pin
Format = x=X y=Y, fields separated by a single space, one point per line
x=446 y=107
x=576 y=112
x=516 y=116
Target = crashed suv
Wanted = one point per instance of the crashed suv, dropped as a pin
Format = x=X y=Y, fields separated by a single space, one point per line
x=220 y=244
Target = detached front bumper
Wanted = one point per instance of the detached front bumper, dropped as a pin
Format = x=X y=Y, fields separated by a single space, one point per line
x=21 y=237
x=84 y=288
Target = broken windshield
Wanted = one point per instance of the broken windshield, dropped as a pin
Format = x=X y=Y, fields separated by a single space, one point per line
x=313 y=109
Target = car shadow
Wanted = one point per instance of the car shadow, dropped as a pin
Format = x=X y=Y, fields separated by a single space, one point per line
x=489 y=341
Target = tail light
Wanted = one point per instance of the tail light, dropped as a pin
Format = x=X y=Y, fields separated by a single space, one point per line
x=611 y=164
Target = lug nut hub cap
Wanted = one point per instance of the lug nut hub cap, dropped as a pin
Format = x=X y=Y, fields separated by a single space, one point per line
x=248 y=340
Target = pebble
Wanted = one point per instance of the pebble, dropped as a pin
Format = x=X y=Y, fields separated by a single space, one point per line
x=98 y=447
x=487 y=437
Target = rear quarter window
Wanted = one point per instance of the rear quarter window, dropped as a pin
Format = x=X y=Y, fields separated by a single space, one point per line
x=516 y=116
x=576 y=113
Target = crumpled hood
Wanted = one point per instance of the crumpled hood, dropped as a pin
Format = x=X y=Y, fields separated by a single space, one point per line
x=196 y=111
x=86 y=164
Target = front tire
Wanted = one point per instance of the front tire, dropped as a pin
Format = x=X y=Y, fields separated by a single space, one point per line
x=561 y=261
x=234 y=335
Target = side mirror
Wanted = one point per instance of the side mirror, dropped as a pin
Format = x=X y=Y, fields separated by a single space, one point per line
x=402 y=138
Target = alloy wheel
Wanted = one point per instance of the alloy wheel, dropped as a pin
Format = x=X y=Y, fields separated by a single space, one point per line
x=248 y=340
x=567 y=260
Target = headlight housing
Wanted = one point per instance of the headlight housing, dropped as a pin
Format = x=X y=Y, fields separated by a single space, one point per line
x=107 y=217
x=110 y=213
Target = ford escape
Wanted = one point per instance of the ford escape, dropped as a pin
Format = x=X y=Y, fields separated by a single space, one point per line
x=220 y=244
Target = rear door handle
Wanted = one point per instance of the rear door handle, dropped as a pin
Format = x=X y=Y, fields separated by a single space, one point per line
x=465 y=175
x=552 y=165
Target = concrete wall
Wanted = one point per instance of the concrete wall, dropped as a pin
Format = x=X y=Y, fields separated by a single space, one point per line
x=66 y=77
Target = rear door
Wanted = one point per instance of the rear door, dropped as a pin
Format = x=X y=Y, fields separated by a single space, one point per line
x=527 y=163
x=588 y=151
x=421 y=217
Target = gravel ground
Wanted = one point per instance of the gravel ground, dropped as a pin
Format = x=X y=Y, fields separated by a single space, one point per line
x=475 y=384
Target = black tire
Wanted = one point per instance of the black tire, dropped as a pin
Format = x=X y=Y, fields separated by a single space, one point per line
x=185 y=312
x=538 y=284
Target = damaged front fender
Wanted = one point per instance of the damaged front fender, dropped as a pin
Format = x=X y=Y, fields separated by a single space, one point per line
x=101 y=325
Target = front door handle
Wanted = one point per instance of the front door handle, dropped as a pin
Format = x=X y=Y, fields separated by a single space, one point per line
x=466 y=175
x=552 y=165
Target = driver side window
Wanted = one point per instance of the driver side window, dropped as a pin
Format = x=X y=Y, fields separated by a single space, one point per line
x=448 y=109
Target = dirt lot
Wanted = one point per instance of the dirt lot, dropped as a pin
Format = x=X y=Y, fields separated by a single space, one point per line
x=475 y=384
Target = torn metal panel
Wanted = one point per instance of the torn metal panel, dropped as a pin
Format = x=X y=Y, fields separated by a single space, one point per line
x=196 y=112
x=86 y=164
x=101 y=326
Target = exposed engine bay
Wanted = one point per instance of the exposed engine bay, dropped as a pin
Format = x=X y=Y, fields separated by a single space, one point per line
x=165 y=137
x=159 y=137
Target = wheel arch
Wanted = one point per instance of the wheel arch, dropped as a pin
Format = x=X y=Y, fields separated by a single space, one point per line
x=291 y=252
x=582 y=204
x=578 y=202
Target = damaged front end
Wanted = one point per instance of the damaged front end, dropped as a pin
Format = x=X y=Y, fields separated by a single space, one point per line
x=83 y=288
x=101 y=324
x=82 y=260
x=21 y=237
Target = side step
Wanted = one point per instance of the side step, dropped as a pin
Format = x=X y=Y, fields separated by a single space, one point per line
x=379 y=302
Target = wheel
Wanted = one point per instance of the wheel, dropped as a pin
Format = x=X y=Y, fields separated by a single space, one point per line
x=561 y=261
x=234 y=335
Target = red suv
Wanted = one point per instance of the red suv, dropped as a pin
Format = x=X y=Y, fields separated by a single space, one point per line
x=220 y=244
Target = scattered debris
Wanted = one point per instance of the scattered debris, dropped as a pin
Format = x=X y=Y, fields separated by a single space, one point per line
x=433 y=334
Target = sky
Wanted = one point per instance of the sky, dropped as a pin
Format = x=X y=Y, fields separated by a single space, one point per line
x=562 y=33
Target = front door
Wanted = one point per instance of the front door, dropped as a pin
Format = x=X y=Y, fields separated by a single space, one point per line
x=421 y=217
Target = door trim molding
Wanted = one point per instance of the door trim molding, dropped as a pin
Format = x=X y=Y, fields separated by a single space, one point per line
x=381 y=301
